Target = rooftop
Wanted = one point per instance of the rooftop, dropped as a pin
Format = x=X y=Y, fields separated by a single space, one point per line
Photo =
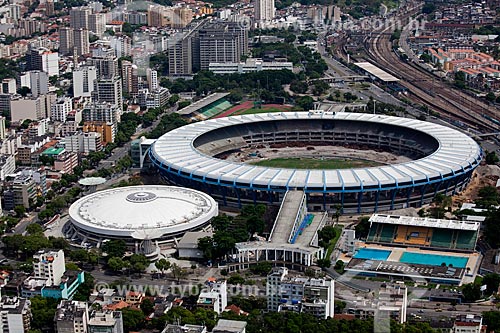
x=201 y=103
x=145 y=212
x=377 y=72
x=425 y=222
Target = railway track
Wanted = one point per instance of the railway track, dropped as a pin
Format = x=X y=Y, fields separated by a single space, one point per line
x=426 y=89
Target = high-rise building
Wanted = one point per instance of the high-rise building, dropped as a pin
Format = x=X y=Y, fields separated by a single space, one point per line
x=84 y=78
x=83 y=142
x=71 y=317
x=105 y=321
x=107 y=113
x=97 y=23
x=49 y=265
x=81 y=41
x=3 y=133
x=107 y=130
x=106 y=64
x=8 y=86
x=264 y=11
x=110 y=91
x=182 y=16
x=37 y=81
x=60 y=109
x=44 y=60
x=157 y=16
x=299 y=294
x=152 y=78
x=130 y=78
x=66 y=41
x=14 y=11
x=222 y=42
x=122 y=45
x=216 y=298
x=79 y=17
x=15 y=314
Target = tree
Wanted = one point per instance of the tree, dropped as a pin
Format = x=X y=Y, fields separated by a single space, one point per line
x=490 y=97
x=116 y=264
x=488 y=196
x=262 y=268
x=178 y=272
x=305 y=102
x=147 y=306
x=428 y=8
x=362 y=228
x=133 y=320
x=24 y=91
x=299 y=87
x=324 y=263
x=162 y=265
x=139 y=262
x=20 y=210
x=491 y=158
x=43 y=310
x=471 y=292
x=34 y=228
x=115 y=248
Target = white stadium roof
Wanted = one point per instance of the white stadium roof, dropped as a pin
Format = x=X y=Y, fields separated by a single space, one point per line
x=425 y=222
x=455 y=153
x=142 y=212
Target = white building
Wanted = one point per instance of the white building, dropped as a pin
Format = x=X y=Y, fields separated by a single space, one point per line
x=216 y=298
x=468 y=323
x=15 y=315
x=3 y=132
x=9 y=86
x=264 y=11
x=60 y=109
x=153 y=99
x=49 y=265
x=71 y=317
x=83 y=81
x=152 y=78
x=37 y=81
x=299 y=294
x=26 y=108
x=83 y=142
x=105 y=321
x=97 y=23
x=251 y=65
x=7 y=166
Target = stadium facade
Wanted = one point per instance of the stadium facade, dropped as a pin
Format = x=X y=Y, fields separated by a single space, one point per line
x=442 y=160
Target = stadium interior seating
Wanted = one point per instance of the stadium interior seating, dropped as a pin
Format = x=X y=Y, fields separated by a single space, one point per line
x=422 y=236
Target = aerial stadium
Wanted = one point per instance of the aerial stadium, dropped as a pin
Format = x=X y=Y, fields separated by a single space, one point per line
x=427 y=159
x=144 y=216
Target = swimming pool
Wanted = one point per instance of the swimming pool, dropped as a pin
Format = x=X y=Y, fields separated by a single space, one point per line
x=432 y=259
x=372 y=254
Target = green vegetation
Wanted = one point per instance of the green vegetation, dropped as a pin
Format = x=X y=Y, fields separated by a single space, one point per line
x=167 y=123
x=362 y=228
x=268 y=83
x=313 y=163
x=230 y=230
x=492 y=228
x=491 y=157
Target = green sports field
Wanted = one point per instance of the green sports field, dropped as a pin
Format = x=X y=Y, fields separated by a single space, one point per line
x=313 y=163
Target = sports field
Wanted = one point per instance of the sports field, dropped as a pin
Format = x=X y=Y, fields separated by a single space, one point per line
x=315 y=163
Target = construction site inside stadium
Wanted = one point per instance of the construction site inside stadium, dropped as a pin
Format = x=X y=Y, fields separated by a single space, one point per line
x=365 y=163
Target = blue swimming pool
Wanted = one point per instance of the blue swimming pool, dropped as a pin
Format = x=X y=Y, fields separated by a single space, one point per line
x=433 y=259
x=372 y=254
